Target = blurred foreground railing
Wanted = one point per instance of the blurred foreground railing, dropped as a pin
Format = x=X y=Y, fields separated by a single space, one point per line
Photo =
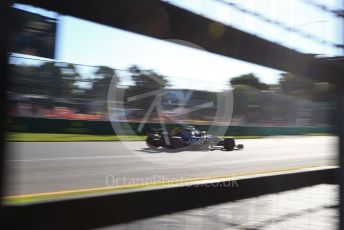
x=105 y=210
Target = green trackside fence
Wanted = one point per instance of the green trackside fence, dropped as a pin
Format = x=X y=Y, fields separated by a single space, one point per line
x=43 y=125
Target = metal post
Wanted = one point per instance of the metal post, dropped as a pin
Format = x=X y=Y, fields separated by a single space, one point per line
x=340 y=129
x=4 y=13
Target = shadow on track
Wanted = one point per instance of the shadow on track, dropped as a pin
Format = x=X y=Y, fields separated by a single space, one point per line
x=184 y=149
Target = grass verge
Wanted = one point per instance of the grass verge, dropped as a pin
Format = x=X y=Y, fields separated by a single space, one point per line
x=50 y=137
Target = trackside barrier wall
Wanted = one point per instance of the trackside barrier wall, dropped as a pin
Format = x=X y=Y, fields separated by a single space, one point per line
x=43 y=125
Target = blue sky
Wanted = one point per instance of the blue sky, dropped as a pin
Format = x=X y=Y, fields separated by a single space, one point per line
x=89 y=43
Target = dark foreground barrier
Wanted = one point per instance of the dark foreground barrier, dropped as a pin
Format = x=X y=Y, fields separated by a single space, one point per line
x=43 y=125
x=111 y=209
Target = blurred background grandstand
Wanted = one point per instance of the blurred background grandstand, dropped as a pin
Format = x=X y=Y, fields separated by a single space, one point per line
x=49 y=89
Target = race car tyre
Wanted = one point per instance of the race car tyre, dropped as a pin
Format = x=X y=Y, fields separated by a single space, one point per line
x=176 y=143
x=229 y=144
x=153 y=142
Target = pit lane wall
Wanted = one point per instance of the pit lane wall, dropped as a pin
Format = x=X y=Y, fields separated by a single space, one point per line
x=43 y=125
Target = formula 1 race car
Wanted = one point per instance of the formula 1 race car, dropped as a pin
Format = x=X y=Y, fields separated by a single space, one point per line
x=188 y=137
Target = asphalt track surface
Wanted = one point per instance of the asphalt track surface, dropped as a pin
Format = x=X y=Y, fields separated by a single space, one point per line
x=37 y=167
